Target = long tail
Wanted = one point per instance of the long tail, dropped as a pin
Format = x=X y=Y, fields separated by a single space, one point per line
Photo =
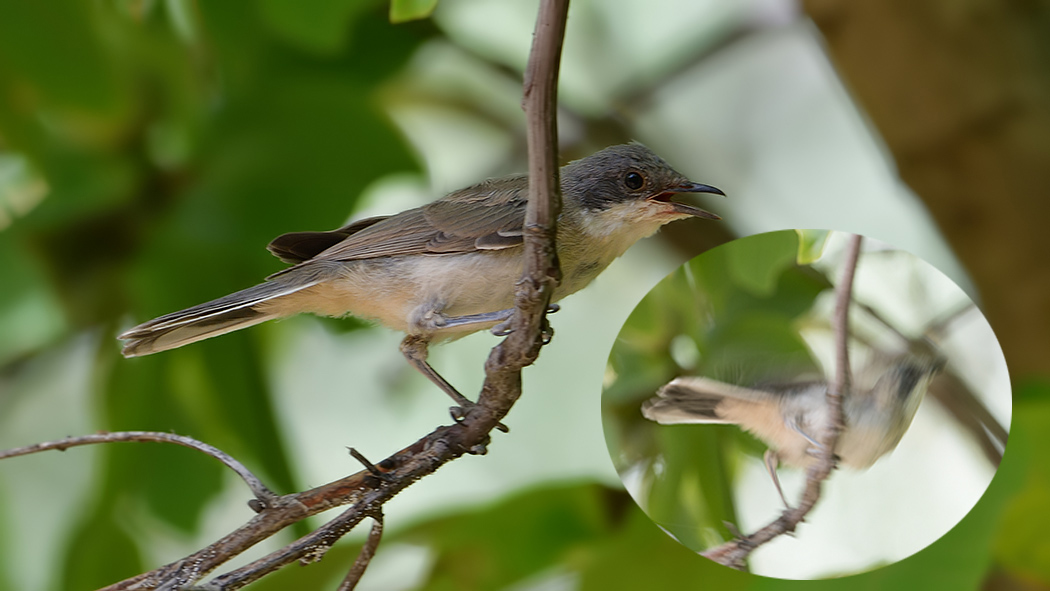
x=226 y=314
x=691 y=400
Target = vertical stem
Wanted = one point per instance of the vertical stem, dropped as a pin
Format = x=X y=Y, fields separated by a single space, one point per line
x=540 y=102
x=541 y=274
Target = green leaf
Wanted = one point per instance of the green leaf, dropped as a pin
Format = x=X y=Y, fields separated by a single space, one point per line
x=30 y=316
x=409 y=10
x=692 y=496
x=100 y=552
x=6 y=555
x=518 y=537
x=319 y=26
x=1021 y=545
x=811 y=245
x=55 y=50
x=638 y=555
x=175 y=483
x=757 y=261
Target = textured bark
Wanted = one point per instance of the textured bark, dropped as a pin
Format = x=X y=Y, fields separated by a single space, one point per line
x=960 y=92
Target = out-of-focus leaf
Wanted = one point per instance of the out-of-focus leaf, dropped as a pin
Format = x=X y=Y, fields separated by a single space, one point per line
x=214 y=391
x=55 y=49
x=319 y=26
x=21 y=187
x=29 y=315
x=100 y=552
x=757 y=262
x=407 y=10
x=637 y=555
x=174 y=482
x=241 y=413
x=811 y=245
x=760 y=346
x=6 y=556
x=692 y=497
x=522 y=535
x=1020 y=544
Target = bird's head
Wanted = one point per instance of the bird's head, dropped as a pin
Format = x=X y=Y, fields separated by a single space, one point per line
x=631 y=184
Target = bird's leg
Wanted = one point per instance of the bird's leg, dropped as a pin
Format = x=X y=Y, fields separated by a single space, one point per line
x=796 y=426
x=414 y=348
x=816 y=446
x=772 y=461
x=501 y=316
x=437 y=321
x=469 y=319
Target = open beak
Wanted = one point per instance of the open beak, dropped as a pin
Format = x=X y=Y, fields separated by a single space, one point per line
x=684 y=208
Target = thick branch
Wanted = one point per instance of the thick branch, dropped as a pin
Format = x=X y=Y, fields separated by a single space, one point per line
x=366 y=492
x=734 y=552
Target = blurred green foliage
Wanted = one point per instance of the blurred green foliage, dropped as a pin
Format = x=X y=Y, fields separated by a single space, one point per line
x=149 y=149
x=406 y=10
x=174 y=140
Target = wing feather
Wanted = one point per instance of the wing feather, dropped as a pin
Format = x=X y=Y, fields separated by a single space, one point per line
x=487 y=216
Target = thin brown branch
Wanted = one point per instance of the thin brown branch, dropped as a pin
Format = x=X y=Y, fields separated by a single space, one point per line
x=734 y=552
x=367 y=552
x=306 y=550
x=262 y=493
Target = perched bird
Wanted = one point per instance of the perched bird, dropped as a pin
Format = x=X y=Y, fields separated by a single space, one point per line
x=793 y=418
x=449 y=268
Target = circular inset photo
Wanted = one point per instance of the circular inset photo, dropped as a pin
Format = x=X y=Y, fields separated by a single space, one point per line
x=724 y=405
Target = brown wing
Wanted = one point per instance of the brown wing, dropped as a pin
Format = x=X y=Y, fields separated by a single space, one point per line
x=296 y=247
x=486 y=216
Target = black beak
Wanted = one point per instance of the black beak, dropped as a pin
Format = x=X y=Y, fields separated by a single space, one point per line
x=691 y=187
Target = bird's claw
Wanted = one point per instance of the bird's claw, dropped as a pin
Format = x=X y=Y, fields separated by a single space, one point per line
x=504 y=328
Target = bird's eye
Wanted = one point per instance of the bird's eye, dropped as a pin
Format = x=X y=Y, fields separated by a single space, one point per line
x=633 y=180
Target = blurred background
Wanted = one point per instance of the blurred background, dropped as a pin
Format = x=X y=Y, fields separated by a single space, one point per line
x=149 y=149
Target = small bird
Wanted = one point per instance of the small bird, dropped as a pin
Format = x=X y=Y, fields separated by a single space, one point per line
x=793 y=418
x=449 y=268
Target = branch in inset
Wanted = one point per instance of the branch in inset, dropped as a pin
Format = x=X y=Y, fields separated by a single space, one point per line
x=734 y=552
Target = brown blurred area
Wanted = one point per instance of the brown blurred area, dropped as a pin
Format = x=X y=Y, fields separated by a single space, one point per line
x=960 y=93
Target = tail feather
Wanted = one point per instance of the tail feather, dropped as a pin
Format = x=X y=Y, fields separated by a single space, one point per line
x=226 y=314
x=698 y=400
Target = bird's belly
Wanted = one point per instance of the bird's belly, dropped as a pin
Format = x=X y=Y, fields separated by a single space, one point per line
x=399 y=292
